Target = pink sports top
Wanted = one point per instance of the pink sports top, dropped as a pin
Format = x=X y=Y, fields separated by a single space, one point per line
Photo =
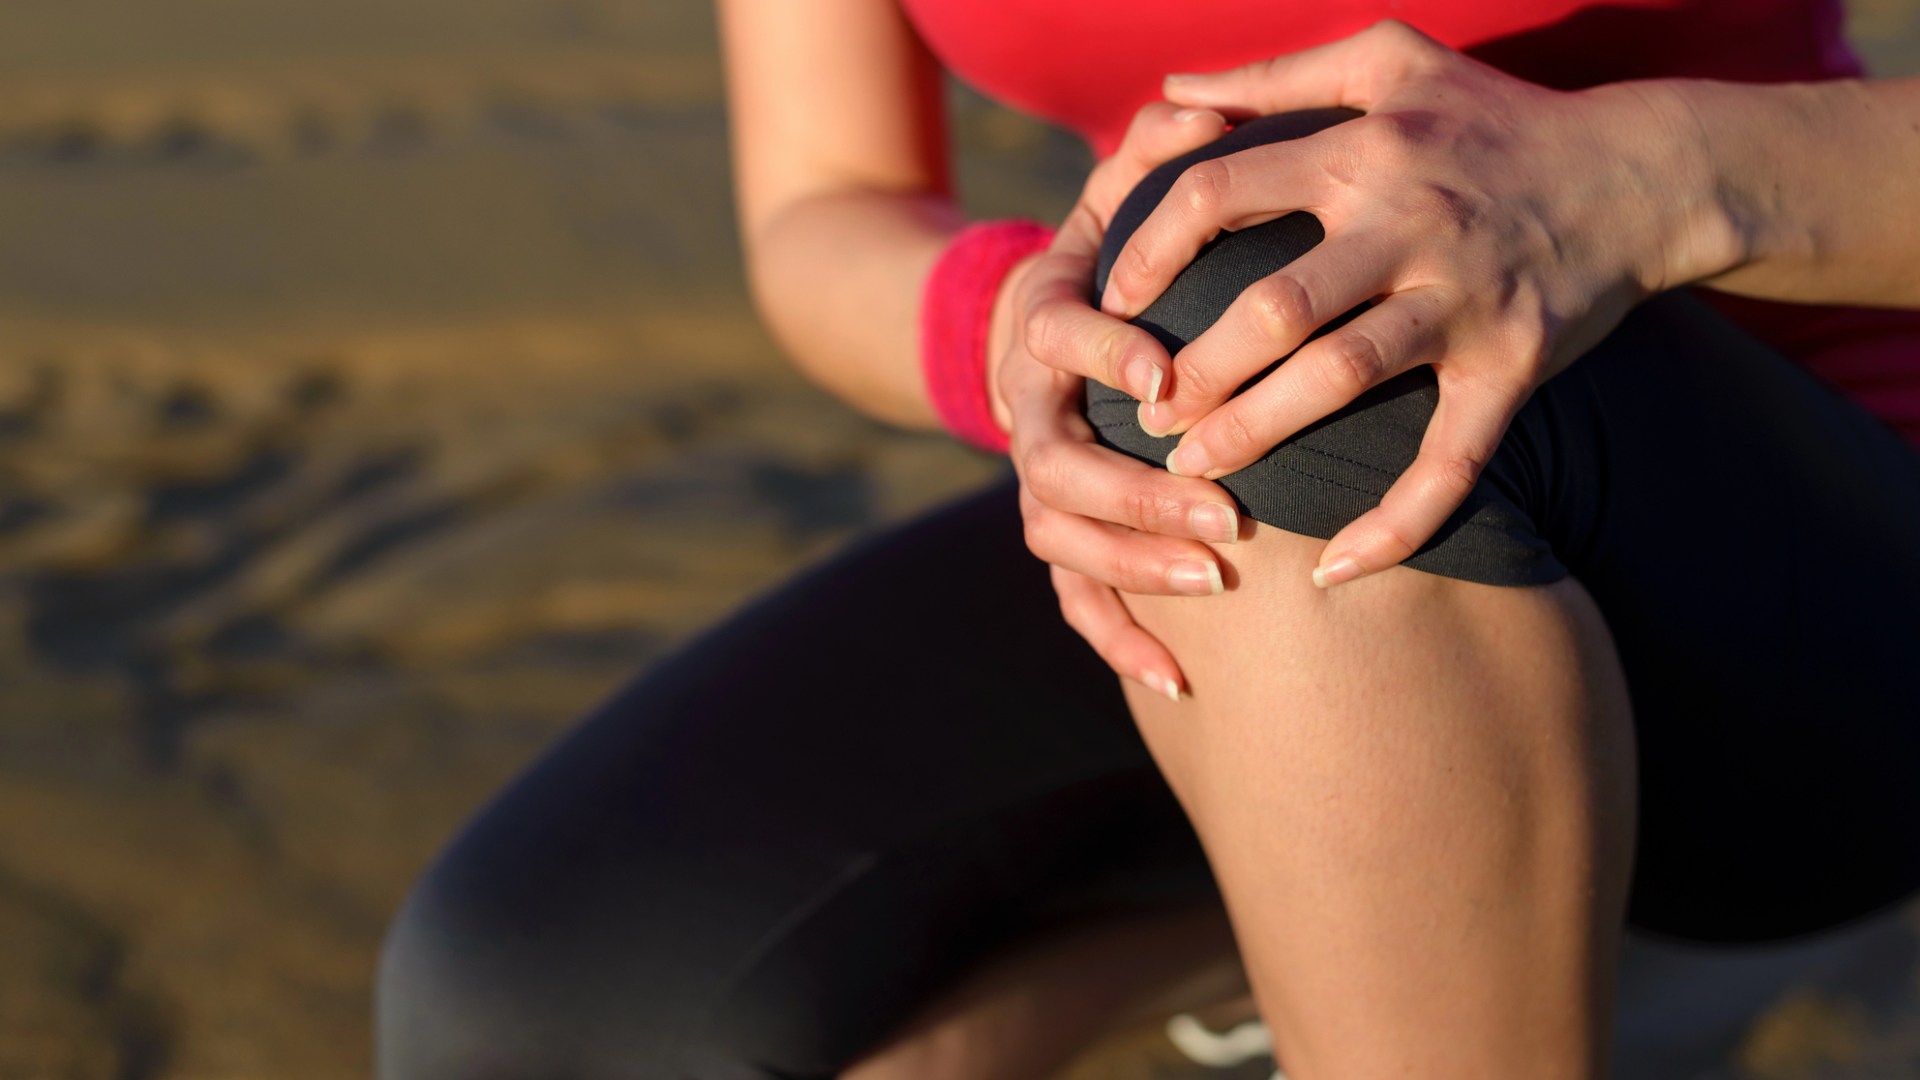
x=1088 y=65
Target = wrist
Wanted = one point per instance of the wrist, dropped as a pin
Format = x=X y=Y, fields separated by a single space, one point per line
x=1686 y=167
x=966 y=321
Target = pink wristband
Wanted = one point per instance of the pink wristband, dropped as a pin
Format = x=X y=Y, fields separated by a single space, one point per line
x=956 y=312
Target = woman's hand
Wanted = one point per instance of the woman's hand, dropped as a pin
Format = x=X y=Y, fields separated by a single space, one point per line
x=1503 y=228
x=1104 y=520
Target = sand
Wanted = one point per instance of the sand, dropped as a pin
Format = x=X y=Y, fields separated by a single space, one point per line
x=377 y=391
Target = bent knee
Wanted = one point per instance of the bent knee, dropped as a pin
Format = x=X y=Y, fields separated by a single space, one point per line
x=603 y=952
x=458 y=993
x=499 y=964
x=423 y=1024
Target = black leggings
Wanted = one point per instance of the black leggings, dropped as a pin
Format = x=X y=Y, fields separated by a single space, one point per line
x=759 y=858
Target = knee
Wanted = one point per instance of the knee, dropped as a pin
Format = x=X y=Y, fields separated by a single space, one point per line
x=445 y=1004
x=497 y=967
x=414 y=967
x=1320 y=478
x=502 y=962
x=573 y=930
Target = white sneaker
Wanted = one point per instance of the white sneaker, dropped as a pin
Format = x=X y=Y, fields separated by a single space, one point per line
x=1220 y=1050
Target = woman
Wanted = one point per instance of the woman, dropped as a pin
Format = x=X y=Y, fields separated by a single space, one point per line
x=894 y=820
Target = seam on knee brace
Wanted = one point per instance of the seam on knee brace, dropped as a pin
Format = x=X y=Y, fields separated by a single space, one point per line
x=1348 y=460
x=1309 y=474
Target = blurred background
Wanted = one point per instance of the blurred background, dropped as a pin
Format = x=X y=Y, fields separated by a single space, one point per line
x=377 y=389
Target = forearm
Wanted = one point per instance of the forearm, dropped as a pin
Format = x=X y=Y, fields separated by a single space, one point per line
x=1804 y=192
x=839 y=278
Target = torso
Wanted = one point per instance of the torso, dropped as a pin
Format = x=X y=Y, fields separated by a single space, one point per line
x=1087 y=65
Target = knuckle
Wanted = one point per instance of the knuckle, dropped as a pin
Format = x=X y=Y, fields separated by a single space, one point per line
x=1145 y=120
x=1351 y=362
x=1282 y=309
x=1397 y=52
x=1115 y=342
x=1233 y=432
x=1135 y=572
x=1043 y=467
x=1396 y=135
x=1458 y=471
x=1038 y=535
x=1073 y=609
x=1399 y=540
x=1401 y=37
x=1204 y=187
x=1193 y=381
x=1043 y=330
x=1390 y=30
x=1148 y=510
x=1029 y=466
x=1138 y=264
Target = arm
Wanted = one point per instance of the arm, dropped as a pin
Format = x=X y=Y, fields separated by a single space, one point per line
x=1811 y=191
x=841 y=177
x=845 y=203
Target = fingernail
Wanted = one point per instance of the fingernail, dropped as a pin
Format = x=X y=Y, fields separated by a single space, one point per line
x=1186 y=115
x=1341 y=569
x=1216 y=521
x=1155 y=420
x=1142 y=377
x=1162 y=685
x=1182 y=77
x=1189 y=459
x=1195 y=578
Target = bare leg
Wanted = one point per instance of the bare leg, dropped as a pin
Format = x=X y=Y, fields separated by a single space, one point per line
x=1417 y=794
x=1026 y=1012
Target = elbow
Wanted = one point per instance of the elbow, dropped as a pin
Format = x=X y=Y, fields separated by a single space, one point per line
x=790 y=318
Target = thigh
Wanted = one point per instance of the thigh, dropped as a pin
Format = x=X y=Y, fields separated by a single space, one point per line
x=1753 y=539
x=757 y=858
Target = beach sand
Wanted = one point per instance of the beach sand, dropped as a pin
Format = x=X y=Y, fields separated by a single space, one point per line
x=377 y=391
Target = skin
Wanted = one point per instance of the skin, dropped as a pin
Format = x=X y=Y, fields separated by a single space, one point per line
x=1416 y=792
x=1417 y=795
x=1504 y=229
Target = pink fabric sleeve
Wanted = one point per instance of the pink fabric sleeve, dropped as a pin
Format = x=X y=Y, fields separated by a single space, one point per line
x=956 y=311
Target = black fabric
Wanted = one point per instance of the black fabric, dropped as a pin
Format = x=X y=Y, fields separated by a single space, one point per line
x=756 y=860
x=774 y=846
x=1333 y=470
